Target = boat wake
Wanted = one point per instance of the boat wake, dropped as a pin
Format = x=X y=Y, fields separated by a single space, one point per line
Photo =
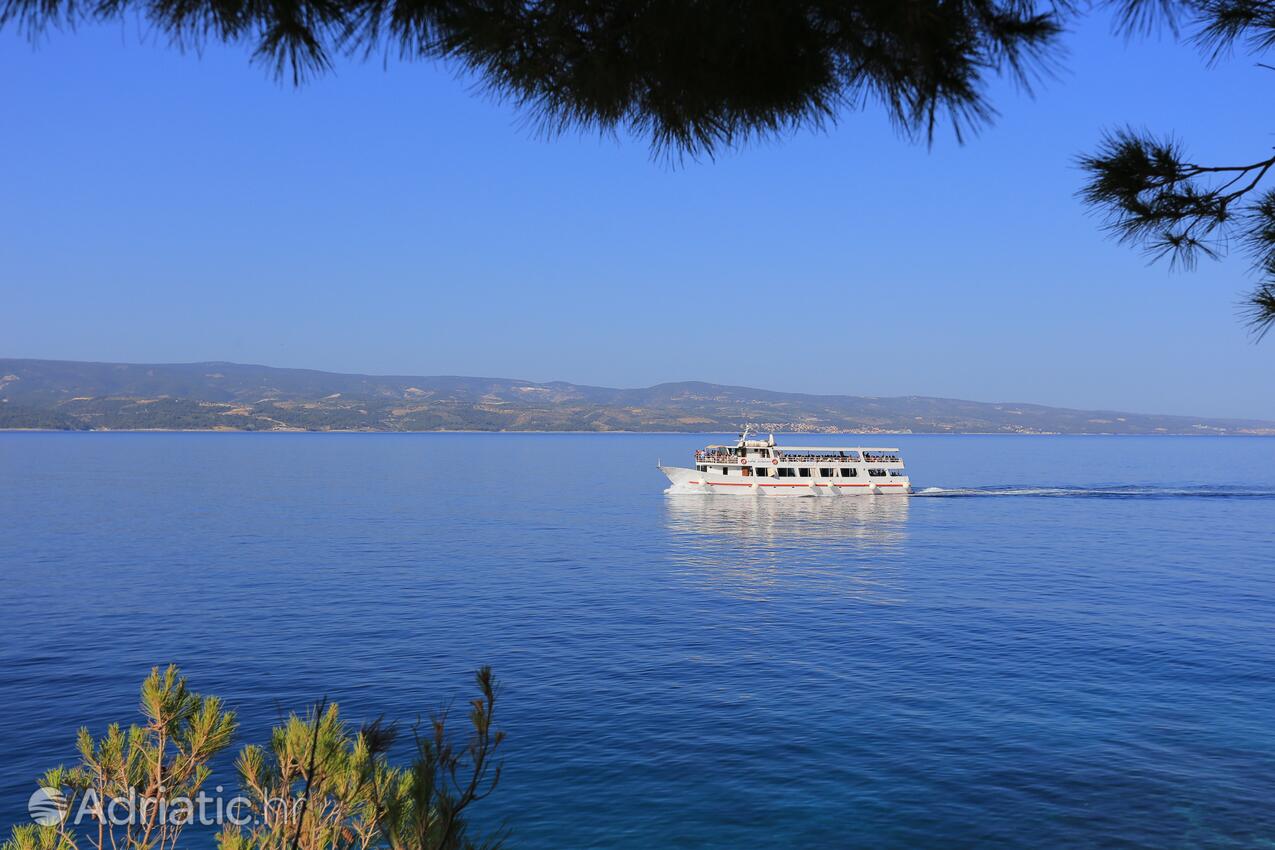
x=1111 y=492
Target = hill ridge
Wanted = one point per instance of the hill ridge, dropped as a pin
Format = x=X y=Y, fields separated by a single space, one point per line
x=224 y=395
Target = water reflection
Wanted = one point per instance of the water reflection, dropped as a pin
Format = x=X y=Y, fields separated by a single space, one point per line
x=754 y=546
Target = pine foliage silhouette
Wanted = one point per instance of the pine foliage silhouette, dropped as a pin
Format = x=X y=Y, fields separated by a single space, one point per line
x=692 y=76
x=697 y=76
x=320 y=784
x=1156 y=196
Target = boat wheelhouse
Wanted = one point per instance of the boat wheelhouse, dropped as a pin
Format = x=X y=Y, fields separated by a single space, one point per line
x=760 y=467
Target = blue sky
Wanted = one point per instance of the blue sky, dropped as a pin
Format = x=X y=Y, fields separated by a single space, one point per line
x=156 y=206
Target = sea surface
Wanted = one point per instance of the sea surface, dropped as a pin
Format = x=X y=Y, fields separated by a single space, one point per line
x=1063 y=642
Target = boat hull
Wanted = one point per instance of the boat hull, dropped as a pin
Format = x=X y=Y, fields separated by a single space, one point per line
x=691 y=481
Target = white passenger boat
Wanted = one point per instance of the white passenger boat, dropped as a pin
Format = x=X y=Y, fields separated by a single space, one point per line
x=759 y=467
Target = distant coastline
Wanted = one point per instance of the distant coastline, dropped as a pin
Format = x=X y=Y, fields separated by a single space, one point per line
x=218 y=397
x=320 y=432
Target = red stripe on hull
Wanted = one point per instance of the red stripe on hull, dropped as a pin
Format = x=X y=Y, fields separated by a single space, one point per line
x=759 y=484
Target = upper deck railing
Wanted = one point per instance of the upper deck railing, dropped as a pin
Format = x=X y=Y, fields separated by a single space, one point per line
x=800 y=456
x=882 y=457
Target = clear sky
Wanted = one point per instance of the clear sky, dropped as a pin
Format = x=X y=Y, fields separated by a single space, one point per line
x=156 y=206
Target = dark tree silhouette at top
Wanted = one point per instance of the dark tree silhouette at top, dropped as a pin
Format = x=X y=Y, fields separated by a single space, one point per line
x=697 y=76
x=692 y=76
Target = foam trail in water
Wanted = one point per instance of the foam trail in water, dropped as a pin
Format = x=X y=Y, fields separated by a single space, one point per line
x=1109 y=492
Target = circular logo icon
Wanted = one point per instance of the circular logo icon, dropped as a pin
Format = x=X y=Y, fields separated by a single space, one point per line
x=47 y=806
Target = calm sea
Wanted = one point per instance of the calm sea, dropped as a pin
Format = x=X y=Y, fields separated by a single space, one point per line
x=1069 y=643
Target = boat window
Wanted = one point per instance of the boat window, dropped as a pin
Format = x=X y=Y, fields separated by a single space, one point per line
x=804 y=472
x=701 y=469
x=827 y=472
x=898 y=472
x=877 y=473
x=785 y=472
x=762 y=471
x=849 y=472
x=725 y=470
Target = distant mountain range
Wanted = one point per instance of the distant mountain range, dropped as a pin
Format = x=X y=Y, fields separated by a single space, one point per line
x=69 y=395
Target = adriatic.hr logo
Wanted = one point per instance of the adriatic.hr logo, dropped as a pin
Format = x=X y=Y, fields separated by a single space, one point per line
x=47 y=806
x=53 y=806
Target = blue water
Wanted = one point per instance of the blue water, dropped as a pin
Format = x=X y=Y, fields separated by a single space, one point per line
x=1070 y=643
